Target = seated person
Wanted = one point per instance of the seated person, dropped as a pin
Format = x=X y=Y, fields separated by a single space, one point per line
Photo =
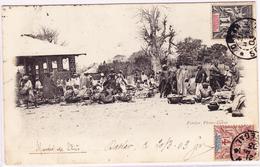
x=145 y=84
x=205 y=93
x=76 y=89
x=224 y=94
x=98 y=87
x=70 y=96
x=138 y=85
x=96 y=91
x=228 y=84
x=106 y=96
x=237 y=107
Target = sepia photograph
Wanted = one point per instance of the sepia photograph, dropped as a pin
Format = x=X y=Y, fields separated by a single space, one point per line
x=130 y=83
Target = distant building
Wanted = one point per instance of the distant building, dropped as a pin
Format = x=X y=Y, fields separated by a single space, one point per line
x=41 y=57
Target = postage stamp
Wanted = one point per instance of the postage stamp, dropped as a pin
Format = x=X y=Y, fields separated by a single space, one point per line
x=241 y=38
x=245 y=146
x=224 y=16
x=224 y=137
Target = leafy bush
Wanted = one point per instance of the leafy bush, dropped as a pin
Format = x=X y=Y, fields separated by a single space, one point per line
x=137 y=62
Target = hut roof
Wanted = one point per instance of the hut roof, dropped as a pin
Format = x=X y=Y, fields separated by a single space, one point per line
x=29 y=46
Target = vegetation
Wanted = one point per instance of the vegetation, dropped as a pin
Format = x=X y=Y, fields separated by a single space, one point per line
x=159 y=45
x=192 y=52
x=47 y=34
x=137 y=62
x=157 y=35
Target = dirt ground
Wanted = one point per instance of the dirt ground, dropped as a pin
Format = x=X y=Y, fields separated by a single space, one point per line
x=98 y=127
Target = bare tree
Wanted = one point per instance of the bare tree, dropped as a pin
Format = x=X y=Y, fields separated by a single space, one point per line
x=46 y=34
x=158 y=36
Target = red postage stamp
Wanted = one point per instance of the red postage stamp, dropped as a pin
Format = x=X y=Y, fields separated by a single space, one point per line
x=224 y=136
x=215 y=20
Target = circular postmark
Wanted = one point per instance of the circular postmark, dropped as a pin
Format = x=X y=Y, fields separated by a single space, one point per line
x=241 y=38
x=245 y=146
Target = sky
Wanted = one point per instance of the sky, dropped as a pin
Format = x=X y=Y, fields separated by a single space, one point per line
x=103 y=31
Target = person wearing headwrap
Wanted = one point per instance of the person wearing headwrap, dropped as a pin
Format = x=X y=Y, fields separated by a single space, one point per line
x=180 y=77
x=27 y=91
x=201 y=77
x=235 y=74
x=83 y=80
x=143 y=77
x=102 y=79
x=163 y=81
x=205 y=93
x=215 y=76
x=121 y=83
x=70 y=95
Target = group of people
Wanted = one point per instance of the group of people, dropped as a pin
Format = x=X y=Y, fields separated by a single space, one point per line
x=181 y=82
x=35 y=91
x=207 y=85
x=103 y=89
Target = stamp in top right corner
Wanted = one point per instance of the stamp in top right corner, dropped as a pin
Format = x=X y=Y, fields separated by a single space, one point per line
x=224 y=15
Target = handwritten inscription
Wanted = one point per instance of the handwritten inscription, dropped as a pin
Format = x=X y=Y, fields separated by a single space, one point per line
x=56 y=149
x=188 y=148
x=114 y=145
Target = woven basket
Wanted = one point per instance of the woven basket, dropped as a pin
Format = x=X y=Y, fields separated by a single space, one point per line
x=213 y=107
x=174 y=99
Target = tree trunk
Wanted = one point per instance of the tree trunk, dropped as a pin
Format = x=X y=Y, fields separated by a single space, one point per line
x=156 y=64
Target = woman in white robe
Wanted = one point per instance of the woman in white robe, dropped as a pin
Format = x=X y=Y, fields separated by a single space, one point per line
x=180 y=77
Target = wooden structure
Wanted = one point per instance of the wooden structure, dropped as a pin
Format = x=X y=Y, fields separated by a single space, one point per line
x=43 y=57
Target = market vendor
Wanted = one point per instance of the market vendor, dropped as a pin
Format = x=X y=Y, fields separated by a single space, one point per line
x=205 y=93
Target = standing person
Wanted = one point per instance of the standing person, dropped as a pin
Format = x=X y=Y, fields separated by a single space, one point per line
x=110 y=83
x=60 y=90
x=200 y=78
x=38 y=84
x=38 y=90
x=163 y=80
x=102 y=79
x=215 y=76
x=19 y=77
x=77 y=80
x=89 y=83
x=83 y=80
x=185 y=81
x=121 y=83
x=68 y=82
x=152 y=82
x=170 y=82
x=49 y=88
x=180 y=77
x=136 y=77
x=27 y=89
x=143 y=77
x=235 y=74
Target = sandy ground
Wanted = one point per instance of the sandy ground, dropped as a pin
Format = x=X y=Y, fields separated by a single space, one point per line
x=146 y=124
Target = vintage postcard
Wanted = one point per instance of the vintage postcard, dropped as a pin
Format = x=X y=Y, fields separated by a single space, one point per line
x=130 y=83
